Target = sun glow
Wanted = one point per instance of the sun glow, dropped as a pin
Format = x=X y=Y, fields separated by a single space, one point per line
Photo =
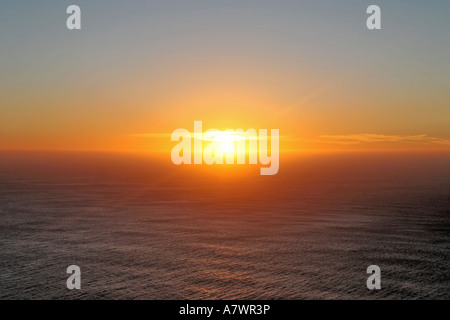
x=224 y=141
x=227 y=147
x=223 y=136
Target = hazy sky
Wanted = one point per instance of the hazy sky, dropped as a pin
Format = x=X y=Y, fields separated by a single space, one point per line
x=310 y=68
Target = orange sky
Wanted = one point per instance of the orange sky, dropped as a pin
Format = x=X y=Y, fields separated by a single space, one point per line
x=325 y=83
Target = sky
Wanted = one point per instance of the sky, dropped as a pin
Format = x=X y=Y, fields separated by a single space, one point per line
x=137 y=70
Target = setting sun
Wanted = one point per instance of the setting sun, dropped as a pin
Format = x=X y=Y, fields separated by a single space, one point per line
x=233 y=146
x=224 y=141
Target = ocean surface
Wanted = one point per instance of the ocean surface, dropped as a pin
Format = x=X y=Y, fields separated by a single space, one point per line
x=142 y=228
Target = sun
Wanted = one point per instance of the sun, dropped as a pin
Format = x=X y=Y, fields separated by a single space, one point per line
x=223 y=141
x=226 y=146
x=223 y=136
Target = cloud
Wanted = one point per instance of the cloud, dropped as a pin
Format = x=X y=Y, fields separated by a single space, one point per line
x=350 y=139
x=151 y=135
x=370 y=137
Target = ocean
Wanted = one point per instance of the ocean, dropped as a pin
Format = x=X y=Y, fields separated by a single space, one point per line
x=142 y=228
